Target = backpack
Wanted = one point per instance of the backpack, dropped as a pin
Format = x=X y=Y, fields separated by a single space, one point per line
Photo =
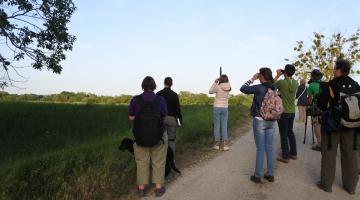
x=349 y=102
x=148 y=126
x=322 y=99
x=272 y=106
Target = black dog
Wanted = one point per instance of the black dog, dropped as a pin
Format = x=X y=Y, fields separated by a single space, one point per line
x=127 y=145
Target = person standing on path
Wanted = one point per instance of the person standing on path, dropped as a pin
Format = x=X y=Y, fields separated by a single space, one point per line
x=147 y=110
x=301 y=95
x=221 y=87
x=174 y=112
x=287 y=88
x=263 y=130
x=315 y=88
x=344 y=136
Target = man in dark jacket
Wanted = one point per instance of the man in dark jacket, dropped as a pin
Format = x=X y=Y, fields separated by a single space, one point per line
x=343 y=136
x=174 y=118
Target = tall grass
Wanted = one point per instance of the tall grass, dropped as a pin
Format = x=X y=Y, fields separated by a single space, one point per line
x=67 y=151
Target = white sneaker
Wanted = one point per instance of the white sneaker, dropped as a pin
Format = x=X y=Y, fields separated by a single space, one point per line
x=216 y=146
x=225 y=146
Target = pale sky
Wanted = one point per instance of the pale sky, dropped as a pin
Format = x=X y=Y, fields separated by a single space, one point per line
x=119 y=42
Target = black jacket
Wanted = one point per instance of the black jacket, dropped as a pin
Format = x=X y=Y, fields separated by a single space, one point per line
x=336 y=85
x=172 y=101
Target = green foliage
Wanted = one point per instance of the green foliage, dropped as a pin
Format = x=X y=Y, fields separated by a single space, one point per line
x=325 y=51
x=186 y=98
x=37 y=30
x=69 y=151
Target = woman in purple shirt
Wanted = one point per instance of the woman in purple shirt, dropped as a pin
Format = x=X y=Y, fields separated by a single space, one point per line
x=149 y=154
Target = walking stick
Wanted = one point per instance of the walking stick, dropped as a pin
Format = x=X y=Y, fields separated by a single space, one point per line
x=220 y=71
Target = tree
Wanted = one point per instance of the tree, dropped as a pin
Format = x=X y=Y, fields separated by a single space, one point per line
x=325 y=51
x=35 y=30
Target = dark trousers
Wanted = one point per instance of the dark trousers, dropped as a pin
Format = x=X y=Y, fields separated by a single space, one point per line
x=287 y=136
x=349 y=170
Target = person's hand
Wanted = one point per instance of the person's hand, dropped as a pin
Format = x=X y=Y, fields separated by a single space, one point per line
x=255 y=77
x=279 y=72
x=217 y=80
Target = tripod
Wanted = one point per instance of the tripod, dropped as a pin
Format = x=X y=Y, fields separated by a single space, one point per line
x=312 y=126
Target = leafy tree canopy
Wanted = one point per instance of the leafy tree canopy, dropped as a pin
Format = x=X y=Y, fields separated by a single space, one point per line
x=324 y=51
x=35 y=30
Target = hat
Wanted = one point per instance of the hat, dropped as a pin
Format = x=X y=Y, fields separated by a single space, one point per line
x=316 y=75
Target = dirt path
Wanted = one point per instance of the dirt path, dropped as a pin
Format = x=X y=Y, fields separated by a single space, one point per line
x=226 y=177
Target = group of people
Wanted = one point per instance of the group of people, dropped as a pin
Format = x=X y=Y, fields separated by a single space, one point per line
x=156 y=117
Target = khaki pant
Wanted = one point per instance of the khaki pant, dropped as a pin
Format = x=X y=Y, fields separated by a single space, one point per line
x=317 y=128
x=302 y=113
x=349 y=170
x=171 y=125
x=154 y=156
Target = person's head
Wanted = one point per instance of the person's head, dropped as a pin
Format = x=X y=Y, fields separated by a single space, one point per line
x=316 y=75
x=289 y=70
x=223 y=79
x=302 y=82
x=168 y=82
x=265 y=75
x=342 y=68
x=148 y=84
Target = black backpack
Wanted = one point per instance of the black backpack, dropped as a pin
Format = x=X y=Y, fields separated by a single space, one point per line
x=324 y=96
x=148 y=126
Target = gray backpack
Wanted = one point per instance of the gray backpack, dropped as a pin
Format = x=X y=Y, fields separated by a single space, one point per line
x=350 y=106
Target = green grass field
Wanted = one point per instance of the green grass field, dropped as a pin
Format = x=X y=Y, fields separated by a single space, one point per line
x=69 y=151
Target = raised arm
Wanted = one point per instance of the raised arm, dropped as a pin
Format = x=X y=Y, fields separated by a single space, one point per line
x=248 y=89
x=214 y=88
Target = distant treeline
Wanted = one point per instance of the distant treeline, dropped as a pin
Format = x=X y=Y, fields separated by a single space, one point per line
x=186 y=98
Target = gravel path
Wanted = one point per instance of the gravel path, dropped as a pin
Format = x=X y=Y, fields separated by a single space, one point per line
x=226 y=177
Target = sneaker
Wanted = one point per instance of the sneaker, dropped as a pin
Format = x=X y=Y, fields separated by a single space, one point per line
x=316 y=148
x=255 y=179
x=319 y=185
x=225 y=146
x=281 y=159
x=216 y=146
x=350 y=192
x=294 y=157
x=160 y=191
x=269 y=178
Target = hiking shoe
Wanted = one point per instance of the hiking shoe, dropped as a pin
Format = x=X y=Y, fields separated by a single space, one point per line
x=348 y=191
x=269 y=178
x=225 y=146
x=255 y=179
x=294 y=157
x=216 y=146
x=281 y=159
x=160 y=191
x=141 y=193
x=319 y=185
x=316 y=148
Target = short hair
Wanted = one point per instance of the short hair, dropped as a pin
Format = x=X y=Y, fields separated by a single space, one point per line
x=344 y=66
x=267 y=74
x=168 y=81
x=223 y=79
x=148 y=84
x=289 y=70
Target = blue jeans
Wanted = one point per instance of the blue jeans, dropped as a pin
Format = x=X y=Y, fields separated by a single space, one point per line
x=264 y=140
x=287 y=136
x=220 y=115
